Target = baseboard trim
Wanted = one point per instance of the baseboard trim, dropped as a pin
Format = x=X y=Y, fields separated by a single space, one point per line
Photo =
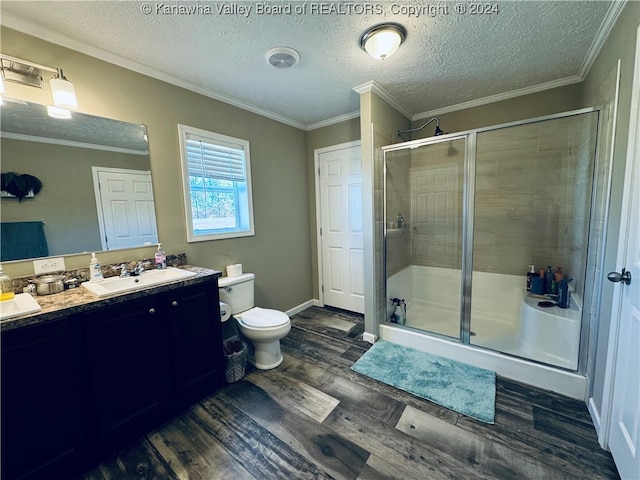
x=303 y=306
x=369 y=337
x=595 y=418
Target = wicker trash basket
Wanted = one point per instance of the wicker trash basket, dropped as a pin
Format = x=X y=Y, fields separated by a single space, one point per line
x=235 y=360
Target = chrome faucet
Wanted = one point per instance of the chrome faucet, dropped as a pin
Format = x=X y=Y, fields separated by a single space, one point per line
x=137 y=270
x=123 y=270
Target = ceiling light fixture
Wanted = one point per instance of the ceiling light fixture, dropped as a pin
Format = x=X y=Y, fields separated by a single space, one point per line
x=31 y=74
x=381 y=41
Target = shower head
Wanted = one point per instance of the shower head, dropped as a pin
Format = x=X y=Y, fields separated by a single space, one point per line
x=437 y=132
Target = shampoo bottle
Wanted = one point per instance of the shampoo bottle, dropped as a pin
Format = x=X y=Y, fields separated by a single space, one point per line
x=548 y=280
x=160 y=258
x=530 y=274
x=95 y=272
x=7 y=286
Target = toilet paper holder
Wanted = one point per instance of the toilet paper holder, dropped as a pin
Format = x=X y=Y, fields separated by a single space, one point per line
x=225 y=312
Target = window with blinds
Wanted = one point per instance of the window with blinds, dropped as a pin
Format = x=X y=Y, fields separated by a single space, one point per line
x=217 y=185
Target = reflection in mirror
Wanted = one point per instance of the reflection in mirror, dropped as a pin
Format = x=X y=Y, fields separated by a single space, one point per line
x=96 y=184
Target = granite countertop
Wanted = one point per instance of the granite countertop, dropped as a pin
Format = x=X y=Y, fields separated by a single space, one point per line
x=76 y=300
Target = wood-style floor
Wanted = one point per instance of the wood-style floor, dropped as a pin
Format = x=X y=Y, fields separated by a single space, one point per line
x=313 y=417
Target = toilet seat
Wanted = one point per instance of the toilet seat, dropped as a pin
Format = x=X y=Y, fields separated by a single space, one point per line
x=263 y=318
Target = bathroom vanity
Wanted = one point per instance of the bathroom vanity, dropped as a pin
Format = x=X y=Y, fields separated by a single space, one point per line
x=81 y=378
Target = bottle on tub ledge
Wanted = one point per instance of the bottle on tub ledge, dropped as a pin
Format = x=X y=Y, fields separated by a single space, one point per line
x=399 y=313
x=564 y=295
x=530 y=274
x=548 y=280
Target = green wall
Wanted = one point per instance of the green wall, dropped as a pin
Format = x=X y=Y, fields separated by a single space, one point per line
x=547 y=102
x=279 y=254
x=620 y=45
x=342 y=132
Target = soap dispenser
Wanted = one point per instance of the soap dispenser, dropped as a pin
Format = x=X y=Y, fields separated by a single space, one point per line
x=160 y=258
x=95 y=272
x=7 y=286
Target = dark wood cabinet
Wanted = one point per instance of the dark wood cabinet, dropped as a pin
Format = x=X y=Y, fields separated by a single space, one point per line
x=128 y=358
x=153 y=355
x=76 y=386
x=194 y=317
x=42 y=404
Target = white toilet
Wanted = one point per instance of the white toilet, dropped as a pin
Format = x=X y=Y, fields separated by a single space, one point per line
x=262 y=326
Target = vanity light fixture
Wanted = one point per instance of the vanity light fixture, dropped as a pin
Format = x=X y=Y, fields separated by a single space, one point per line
x=382 y=41
x=62 y=91
x=31 y=74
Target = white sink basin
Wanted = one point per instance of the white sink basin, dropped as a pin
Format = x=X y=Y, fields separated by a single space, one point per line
x=21 y=304
x=150 y=278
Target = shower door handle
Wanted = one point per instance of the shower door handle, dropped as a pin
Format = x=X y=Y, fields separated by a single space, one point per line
x=624 y=277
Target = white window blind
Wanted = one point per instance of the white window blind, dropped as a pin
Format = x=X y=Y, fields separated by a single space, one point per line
x=222 y=160
x=216 y=176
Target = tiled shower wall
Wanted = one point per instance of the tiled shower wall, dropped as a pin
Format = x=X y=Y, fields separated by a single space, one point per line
x=533 y=196
x=398 y=203
x=532 y=203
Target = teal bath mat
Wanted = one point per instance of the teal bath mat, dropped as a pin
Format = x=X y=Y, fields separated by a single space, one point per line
x=455 y=385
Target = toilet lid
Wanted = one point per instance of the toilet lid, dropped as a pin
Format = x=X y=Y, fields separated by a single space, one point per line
x=263 y=317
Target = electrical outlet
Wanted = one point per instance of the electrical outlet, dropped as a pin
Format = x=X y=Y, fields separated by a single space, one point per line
x=48 y=265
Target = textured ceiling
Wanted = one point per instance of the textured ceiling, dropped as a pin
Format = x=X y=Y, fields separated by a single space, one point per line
x=447 y=59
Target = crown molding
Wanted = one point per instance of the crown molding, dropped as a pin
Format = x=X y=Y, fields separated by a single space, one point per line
x=374 y=87
x=334 y=120
x=499 y=97
x=607 y=24
x=37 y=31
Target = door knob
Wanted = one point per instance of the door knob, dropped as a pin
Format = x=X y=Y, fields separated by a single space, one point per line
x=624 y=277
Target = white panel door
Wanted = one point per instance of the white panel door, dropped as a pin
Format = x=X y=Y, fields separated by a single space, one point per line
x=126 y=208
x=340 y=189
x=624 y=345
x=434 y=214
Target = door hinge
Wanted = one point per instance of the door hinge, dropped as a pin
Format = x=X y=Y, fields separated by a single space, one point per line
x=320 y=231
x=318 y=171
x=322 y=288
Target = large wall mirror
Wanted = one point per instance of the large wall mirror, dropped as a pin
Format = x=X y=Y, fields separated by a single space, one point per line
x=96 y=184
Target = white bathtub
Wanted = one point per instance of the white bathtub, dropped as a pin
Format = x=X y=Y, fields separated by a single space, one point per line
x=503 y=318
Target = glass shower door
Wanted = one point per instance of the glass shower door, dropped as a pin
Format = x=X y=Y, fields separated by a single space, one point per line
x=532 y=206
x=423 y=235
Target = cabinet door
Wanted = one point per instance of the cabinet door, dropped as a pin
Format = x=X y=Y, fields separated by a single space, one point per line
x=197 y=341
x=42 y=412
x=127 y=348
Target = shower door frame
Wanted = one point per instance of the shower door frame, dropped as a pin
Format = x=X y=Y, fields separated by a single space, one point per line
x=468 y=202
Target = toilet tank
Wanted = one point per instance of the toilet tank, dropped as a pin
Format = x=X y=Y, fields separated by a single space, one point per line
x=237 y=292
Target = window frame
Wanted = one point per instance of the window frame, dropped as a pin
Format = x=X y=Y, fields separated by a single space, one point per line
x=214 y=139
